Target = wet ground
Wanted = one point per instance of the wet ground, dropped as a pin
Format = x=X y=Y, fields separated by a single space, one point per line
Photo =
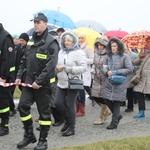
x=86 y=131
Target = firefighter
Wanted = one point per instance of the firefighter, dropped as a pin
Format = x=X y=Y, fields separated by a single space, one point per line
x=7 y=74
x=39 y=63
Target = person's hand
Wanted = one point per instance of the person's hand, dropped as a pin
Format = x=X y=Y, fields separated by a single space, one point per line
x=2 y=80
x=35 y=85
x=17 y=81
x=142 y=54
x=92 y=71
x=59 y=68
x=110 y=73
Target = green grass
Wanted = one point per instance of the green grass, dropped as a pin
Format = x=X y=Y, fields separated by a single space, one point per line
x=139 y=143
x=17 y=93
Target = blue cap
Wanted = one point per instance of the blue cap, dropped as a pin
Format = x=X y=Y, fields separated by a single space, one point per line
x=16 y=36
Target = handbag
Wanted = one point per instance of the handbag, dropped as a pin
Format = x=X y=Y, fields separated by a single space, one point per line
x=117 y=79
x=136 y=79
x=75 y=84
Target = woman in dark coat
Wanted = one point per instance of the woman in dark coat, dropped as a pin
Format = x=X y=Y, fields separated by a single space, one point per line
x=117 y=63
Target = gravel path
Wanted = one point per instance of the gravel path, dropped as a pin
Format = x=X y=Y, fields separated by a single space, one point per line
x=86 y=132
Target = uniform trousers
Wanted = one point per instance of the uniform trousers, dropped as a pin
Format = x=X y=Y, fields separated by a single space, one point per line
x=42 y=99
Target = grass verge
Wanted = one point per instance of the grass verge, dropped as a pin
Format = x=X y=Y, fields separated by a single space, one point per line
x=138 y=143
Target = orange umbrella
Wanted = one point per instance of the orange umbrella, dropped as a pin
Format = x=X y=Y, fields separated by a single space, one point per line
x=116 y=33
x=136 y=40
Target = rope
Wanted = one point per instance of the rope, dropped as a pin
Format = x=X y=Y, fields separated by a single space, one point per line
x=11 y=84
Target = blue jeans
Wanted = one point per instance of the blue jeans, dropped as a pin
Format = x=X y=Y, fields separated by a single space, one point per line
x=82 y=94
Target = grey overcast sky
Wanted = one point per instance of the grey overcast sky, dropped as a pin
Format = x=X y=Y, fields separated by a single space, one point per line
x=127 y=15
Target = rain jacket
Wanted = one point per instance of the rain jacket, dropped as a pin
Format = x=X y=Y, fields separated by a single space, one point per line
x=40 y=60
x=99 y=77
x=7 y=56
x=120 y=62
x=89 y=58
x=73 y=58
x=144 y=85
x=133 y=56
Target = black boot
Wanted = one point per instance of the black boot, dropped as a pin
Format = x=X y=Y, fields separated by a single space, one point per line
x=119 y=118
x=65 y=127
x=68 y=132
x=4 y=130
x=112 y=126
x=42 y=144
x=91 y=98
x=29 y=137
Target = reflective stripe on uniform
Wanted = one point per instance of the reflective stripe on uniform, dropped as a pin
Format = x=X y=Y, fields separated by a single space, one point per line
x=45 y=123
x=0 y=52
x=30 y=43
x=26 y=118
x=12 y=69
x=6 y=125
x=4 y=110
x=41 y=56
x=52 y=80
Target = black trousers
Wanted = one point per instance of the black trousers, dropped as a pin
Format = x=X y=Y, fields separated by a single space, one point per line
x=4 y=103
x=130 y=97
x=56 y=114
x=98 y=100
x=141 y=100
x=65 y=103
x=42 y=99
x=114 y=107
x=11 y=90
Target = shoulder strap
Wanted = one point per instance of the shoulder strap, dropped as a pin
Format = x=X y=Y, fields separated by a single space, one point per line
x=68 y=73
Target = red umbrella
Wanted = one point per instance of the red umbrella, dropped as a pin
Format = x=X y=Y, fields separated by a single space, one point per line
x=116 y=33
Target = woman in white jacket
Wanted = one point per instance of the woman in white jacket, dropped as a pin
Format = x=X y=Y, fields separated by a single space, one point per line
x=80 y=103
x=71 y=63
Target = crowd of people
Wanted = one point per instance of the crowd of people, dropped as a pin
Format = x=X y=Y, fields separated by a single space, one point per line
x=48 y=61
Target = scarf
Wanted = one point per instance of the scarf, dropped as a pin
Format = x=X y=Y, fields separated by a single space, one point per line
x=72 y=48
x=99 y=52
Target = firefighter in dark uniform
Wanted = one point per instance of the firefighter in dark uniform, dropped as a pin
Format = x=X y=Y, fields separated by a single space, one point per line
x=39 y=61
x=7 y=74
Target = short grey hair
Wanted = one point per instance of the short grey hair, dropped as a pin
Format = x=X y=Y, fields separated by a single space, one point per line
x=69 y=37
